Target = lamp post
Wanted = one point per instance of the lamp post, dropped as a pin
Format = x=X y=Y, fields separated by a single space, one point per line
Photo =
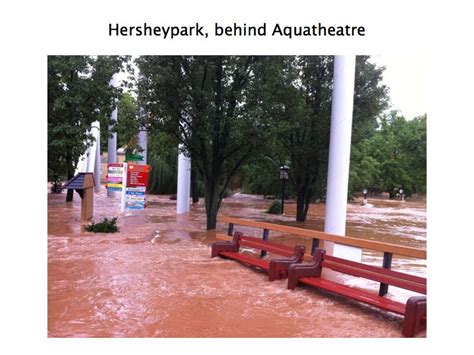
x=401 y=195
x=365 y=196
x=283 y=177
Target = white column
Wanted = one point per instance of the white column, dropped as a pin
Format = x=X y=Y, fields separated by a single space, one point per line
x=96 y=167
x=143 y=137
x=89 y=162
x=184 y=184
x=339 y=156
x=112 y=142
x=124 y=187
x=143 y=142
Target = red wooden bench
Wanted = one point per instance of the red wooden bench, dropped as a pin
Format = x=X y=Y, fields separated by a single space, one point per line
x=414 y=310
x=277 y=267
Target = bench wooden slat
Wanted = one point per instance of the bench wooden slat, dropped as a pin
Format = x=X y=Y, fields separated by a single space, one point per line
x=245 y=259
x=224 y=237
x=262 y=245
x=377 y=269
x=266 y=245
x=359 y=272
x=350 y=241
x=356 y=294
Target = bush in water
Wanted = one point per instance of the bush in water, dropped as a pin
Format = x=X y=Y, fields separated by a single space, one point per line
x=106 y=226
x=275 y=208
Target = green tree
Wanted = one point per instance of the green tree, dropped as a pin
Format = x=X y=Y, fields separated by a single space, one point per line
x=305 y=112
x=128 y=123
x=78 y=94
x=260 y=176
x=209 y=105
x=281 y=100
x=365 y=169
x=399 y=148
x=162 y=153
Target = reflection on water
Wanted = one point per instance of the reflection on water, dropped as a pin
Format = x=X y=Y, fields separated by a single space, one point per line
x=155 y=278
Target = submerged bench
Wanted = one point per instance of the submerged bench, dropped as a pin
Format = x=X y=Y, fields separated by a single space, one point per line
x=316 y=237
x=414 y=310
x=277 y=268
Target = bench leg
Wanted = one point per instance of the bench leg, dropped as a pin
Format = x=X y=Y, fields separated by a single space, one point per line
x=233 y=246
x=311 y=269
x=414 y=312
x=278 y=268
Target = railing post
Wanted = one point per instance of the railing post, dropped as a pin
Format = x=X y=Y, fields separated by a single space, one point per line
x=314 y=245
x=230 y=230
x=387 y=264
x=266 y=233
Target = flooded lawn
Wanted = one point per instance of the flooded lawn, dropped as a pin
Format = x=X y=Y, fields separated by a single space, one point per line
x=155 y=278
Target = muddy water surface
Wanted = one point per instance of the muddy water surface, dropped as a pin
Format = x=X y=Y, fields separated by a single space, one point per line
x=155 y=278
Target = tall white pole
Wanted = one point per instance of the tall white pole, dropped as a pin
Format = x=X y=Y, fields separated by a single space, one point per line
x=112 y=142
x=89 y=162
x=143 y=142
x=184 y=184
x=143 y=139
x=96 y=167
x=339 y=156
x=124 y=187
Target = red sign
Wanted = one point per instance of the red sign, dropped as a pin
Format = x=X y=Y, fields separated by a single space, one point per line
x=137 y=175
x=140 y=168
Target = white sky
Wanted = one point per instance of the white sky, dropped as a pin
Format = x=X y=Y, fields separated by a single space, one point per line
x=406 y=77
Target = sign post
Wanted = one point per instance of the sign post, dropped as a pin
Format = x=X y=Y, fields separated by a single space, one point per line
x=137 y=182
x=124 y=183
x=132 y=181
x=114 y=176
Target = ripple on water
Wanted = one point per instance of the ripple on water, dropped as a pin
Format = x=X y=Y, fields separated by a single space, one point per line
x=155 y=278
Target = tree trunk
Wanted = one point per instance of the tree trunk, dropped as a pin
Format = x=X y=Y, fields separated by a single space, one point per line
x=301 y=208
x=69 y=174
x=212 y=217
x=69 y=195
x=306 y=207
x=392 y=193
x=212 y=204
x=194 y=184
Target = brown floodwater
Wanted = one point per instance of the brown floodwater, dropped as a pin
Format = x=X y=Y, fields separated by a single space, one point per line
x=155 y=278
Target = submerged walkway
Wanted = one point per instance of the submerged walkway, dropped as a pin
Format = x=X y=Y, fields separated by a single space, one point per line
x=155 y=278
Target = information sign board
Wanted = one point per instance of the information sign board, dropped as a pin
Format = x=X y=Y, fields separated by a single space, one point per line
x=137 y=175
x=114 y=177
